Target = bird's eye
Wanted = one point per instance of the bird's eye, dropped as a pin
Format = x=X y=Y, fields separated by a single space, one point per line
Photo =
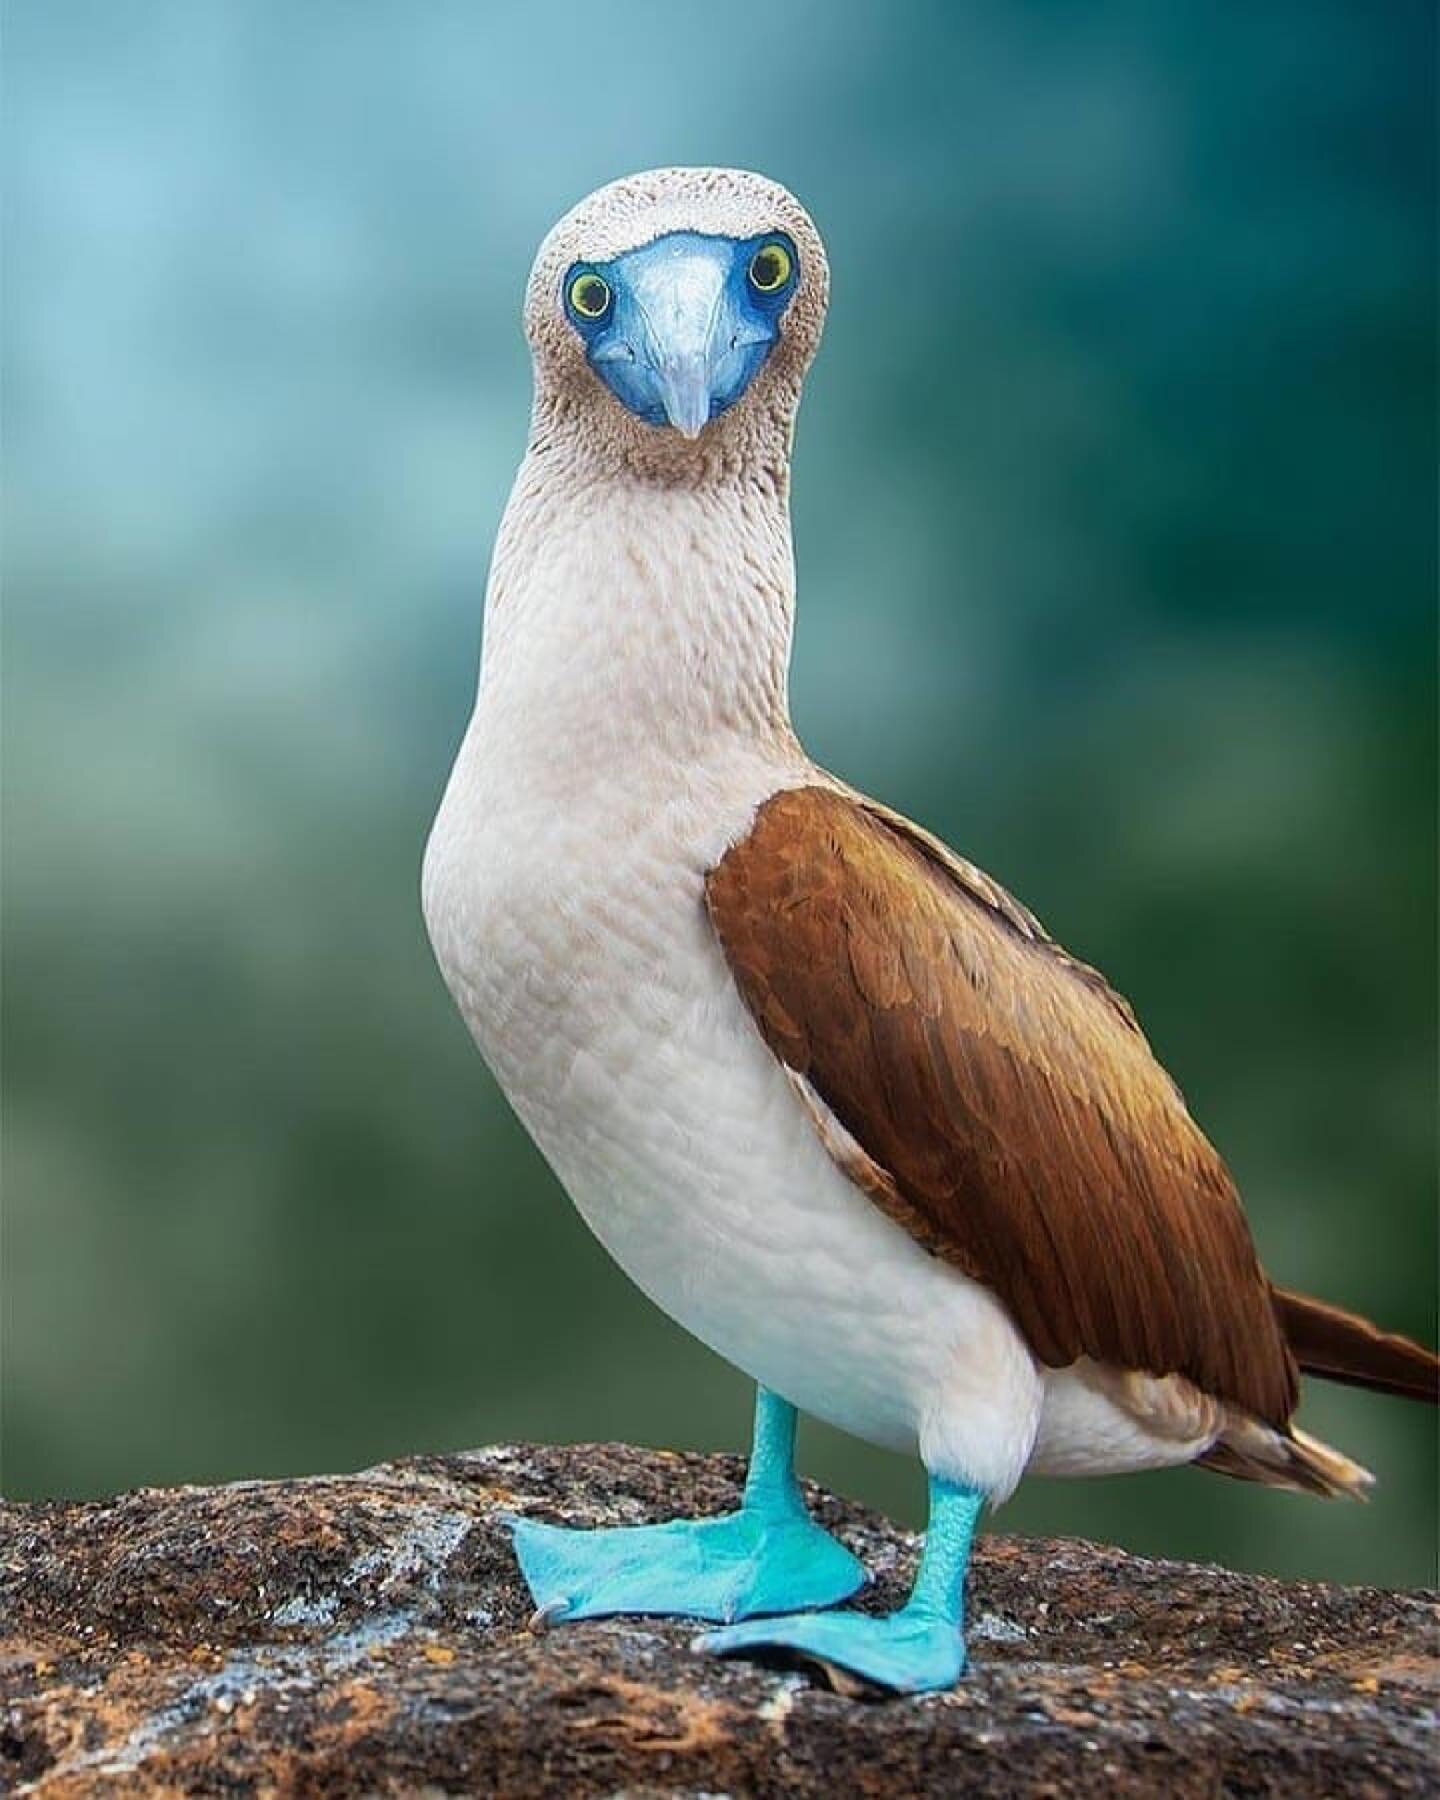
x=770 y=268
x=590 y=295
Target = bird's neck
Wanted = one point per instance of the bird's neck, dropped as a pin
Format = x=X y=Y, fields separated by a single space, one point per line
x=632 y=618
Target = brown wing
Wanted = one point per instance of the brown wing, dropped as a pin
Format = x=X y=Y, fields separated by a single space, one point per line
x=1019 y=1124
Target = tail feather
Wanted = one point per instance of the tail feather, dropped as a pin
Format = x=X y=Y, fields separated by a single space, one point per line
x=1252 y=1451
x=1341 y=1346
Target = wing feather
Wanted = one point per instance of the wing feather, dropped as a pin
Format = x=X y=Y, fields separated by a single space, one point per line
x=1019 y=1123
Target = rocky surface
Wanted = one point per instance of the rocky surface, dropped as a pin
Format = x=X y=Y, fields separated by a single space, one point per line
x=367 y=1634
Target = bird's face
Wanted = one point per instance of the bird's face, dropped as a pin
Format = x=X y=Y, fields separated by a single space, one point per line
x=675 y=310
x=678 y=329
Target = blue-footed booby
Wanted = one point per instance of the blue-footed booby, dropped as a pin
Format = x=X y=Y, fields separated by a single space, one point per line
x=830 y=1096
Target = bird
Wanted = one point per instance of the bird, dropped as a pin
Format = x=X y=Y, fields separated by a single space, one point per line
x=830 y=1096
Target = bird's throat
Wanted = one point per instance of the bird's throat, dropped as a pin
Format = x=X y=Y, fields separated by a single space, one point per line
x=627 y=617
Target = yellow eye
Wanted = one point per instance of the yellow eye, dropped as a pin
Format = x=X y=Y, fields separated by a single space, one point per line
x=590 y=295
x=770 y=268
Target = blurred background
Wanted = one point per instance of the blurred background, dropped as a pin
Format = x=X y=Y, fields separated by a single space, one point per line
x=1115 y=525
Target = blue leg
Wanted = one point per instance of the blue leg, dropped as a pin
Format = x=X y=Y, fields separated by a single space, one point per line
x=920 y=1647
x=770 y=1556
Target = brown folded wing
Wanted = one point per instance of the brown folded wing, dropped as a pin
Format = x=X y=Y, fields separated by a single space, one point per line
x=1013 y=1114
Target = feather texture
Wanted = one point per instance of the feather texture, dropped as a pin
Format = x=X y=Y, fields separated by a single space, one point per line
x=1326 y=1340
x=1018 y=1121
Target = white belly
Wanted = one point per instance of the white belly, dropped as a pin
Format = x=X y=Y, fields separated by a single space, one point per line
x=580 y=954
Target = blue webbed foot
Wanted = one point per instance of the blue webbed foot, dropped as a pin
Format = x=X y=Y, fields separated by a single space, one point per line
x=911 y=1651
x=753 y=1561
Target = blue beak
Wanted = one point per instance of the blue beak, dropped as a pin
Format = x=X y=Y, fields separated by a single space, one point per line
x=682 y=341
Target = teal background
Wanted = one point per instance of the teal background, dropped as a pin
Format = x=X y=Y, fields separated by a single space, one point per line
x=1115 y=527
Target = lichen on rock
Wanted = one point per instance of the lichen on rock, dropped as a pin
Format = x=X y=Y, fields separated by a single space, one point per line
x=368 y=1634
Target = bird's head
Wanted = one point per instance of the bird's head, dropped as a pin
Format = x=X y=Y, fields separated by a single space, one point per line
x=673 y=314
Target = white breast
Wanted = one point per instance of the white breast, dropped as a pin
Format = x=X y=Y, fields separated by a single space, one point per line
x=580 y=954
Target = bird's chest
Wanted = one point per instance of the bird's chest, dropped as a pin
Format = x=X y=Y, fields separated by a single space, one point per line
x=575 y=939
x=570 y=925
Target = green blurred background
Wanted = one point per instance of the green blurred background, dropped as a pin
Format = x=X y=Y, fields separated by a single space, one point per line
x=1116 y=536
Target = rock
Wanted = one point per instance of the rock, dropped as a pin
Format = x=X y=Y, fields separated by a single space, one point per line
x=367 y=1634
